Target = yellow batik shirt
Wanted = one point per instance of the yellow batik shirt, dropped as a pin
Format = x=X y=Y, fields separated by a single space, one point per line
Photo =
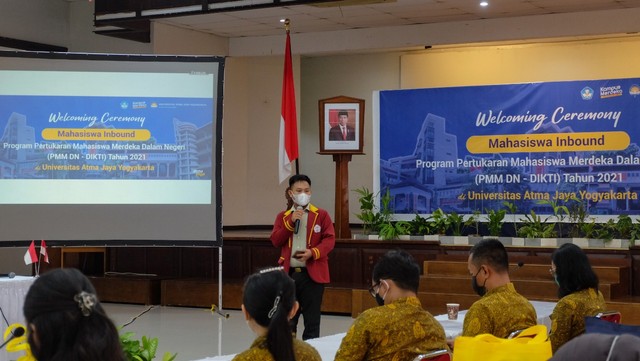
x=259 y=351
x=499 y=312
x=398 y=331
x=567 y=318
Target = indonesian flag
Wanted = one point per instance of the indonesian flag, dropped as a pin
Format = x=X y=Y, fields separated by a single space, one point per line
x=288 y=147
x=43 y=251
x=31 y=256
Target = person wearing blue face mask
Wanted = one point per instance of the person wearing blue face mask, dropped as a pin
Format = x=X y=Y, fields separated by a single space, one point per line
x=578 y=293
x=400 y=329
x=305 y=235
x=501 y=310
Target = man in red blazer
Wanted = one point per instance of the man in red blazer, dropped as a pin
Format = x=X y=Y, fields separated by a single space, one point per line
x=305 y=235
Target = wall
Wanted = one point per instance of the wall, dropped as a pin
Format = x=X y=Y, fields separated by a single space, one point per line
x=253 y=87
x=568 y=60
x=40 y=21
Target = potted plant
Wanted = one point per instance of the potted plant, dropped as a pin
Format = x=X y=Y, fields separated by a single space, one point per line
x=440 y=222
x=533 y=228
x=421 y=227
x=135 y=350
x=495 y=219
x=371 y=219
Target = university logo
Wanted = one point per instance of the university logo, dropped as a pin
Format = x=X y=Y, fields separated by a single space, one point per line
x=586 y=93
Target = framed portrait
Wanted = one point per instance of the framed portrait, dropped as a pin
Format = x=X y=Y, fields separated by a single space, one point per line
x=341 y=125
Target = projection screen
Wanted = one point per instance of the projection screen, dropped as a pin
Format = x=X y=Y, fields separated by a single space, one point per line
x=110 y=149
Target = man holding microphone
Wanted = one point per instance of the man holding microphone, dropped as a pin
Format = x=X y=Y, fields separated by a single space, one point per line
x=305 y=235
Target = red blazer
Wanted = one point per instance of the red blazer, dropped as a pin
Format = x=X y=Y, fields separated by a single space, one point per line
x=321 y=237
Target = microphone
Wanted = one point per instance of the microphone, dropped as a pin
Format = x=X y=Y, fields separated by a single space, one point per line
x=297 y=225
x=10 y=275
x=19 y=331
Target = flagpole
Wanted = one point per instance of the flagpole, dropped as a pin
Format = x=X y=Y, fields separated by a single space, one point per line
x=38 y=265
x=289 y=152
x=287 y=28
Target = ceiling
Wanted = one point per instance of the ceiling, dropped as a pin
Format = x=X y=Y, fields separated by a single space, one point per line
x=255 y=18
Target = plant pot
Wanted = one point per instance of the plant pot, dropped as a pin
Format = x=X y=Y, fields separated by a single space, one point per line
x=617 y=243
x=549 y=242
x=532 y=242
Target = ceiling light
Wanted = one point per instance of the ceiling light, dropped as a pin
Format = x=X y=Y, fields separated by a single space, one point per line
x=484 y=3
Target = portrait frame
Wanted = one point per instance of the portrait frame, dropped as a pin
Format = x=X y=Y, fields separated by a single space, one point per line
x=331 y=115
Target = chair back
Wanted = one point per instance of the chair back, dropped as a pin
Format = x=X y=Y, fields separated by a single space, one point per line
x=438 y=355
x=610 y=316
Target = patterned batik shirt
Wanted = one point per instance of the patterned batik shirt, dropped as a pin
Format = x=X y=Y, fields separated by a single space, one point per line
x=259 y=351
x=398 y=331
x=499 y=312
x=567 y=319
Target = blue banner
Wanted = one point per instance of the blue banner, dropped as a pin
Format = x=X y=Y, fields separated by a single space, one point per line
x=99 y=137
x=468 y=149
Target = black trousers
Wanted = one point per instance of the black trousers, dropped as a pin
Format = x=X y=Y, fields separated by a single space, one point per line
x=309 y=296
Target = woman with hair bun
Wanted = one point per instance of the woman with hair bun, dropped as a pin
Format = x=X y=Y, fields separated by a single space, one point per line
x=268 y=303
x=66 y=322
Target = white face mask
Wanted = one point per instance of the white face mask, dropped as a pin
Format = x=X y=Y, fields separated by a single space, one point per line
x=301 y=199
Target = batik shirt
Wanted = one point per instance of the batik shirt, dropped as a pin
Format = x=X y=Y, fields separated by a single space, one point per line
x=259 y=351
x=499 y=312
x=567 y=318
x=398 y=331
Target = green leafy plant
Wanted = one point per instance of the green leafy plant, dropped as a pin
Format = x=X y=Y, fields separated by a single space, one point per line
x=392 y=230
x=440 y=222
x=474 y=222
x=370 y=217
x=635 y=233
x=420 y=225
x=388 y=229
x=534 y=227
x=624 y=225
x=455 y=222
x=513 y=209
x=142 y=350
x=589 y=229
x=606 y=231
x=495 y=221
x=578 y=215
x=559 y=212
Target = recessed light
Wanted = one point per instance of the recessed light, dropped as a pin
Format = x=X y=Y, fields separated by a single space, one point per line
x=484 y=3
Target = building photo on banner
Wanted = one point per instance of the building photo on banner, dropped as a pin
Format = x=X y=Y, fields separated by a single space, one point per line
x=474 y=148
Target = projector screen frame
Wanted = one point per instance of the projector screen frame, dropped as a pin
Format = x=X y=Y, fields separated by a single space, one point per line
x=216 y=166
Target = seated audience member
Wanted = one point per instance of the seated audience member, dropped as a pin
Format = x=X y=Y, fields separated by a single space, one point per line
x=600 y=347
x=400 y=329
x=501 y=310
x=66 y=322
x=269 y=303
x=578 y=293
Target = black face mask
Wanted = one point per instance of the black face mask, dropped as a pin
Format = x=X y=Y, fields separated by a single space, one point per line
x=480 y=290
x=379 y=300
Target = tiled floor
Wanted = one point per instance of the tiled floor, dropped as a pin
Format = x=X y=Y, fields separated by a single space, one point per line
x=196 y=333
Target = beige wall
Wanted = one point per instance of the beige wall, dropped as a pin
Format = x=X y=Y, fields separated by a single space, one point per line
x=571 y=60
x=252 y=99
